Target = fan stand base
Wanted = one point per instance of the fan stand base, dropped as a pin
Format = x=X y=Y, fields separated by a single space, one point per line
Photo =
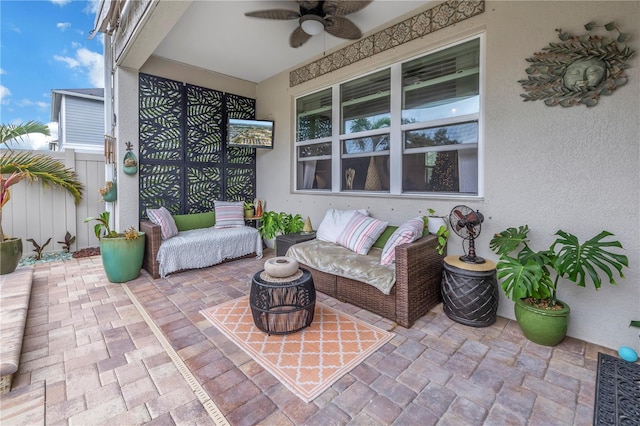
x=472 y=259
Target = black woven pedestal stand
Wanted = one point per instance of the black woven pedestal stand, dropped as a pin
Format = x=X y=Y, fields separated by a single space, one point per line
x=470 y=292
x=282 y=305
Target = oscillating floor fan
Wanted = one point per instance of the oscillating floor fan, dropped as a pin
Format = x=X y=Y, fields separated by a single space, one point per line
x=467 y=223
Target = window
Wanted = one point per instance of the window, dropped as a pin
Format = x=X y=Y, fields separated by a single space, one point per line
x=433 y=146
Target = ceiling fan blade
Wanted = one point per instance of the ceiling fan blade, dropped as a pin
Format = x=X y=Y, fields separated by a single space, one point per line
x=342 y=27
x=282 y=14
x=336 y=7
x=298 y=37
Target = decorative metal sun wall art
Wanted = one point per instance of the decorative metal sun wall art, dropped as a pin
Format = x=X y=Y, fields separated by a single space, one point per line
x=578 y=69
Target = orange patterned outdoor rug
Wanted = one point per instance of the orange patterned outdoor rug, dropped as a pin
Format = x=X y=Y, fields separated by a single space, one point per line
x=309 y=361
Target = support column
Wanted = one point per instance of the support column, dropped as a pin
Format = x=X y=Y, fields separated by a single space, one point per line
x=126 y=112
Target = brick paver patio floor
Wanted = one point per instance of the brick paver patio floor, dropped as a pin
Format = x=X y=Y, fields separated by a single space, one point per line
x=89 y=357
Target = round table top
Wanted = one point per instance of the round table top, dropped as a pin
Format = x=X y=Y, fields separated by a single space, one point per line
x=454 y=260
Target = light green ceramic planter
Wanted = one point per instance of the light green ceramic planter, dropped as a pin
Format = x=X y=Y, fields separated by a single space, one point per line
x=10 y=254
x=122 y=259
x=542 y=326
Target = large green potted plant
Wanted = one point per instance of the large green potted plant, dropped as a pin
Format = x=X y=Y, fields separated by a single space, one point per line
x=121 y=253
x=16 y=166
x=530 y=278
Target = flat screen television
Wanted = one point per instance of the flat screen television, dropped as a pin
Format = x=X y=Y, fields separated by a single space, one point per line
x=250 y=133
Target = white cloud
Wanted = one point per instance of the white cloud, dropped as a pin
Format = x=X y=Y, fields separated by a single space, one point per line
x=2 y=71
x=61 y=2
x=4 y=94
x=90 y=62
x=71 y=63
x=63 y=25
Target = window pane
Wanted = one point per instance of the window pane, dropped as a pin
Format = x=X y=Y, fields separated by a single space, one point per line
x=465 y=133
x=365 y=103
x=441 y=171
x=365 y=173
x=444 y=84
x=313 y=114
x=314 y=150
x=314 y=174
x=368 y=144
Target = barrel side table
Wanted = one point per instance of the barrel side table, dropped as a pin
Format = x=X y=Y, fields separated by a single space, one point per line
x=470 y=292
x=282 y=305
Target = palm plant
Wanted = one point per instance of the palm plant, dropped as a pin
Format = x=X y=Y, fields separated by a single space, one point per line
x=21 y=165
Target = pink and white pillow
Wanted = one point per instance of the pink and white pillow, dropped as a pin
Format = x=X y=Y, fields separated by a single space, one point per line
x=361 y=232
x=163 y=218
x=334 y=222
x=408 y=232
x=229 y=214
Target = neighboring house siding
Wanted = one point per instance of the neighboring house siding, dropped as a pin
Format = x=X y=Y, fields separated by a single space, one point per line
x=84 y=123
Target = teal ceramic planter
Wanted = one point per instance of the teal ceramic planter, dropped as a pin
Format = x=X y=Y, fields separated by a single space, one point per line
x=122 y=259
x=542 y=326
x=10 y=254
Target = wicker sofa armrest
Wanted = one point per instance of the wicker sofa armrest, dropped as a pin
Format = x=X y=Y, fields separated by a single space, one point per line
x=154 y=239
x=418 y=278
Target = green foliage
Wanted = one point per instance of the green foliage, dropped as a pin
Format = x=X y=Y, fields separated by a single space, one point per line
x=32 y=167
x=102 y=228
x=68 y=240
x=273 y=223
x=529 y=273
x=38 y=248
x=443 y=236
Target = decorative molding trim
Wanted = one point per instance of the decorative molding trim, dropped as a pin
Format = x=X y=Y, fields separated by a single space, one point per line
x=426 y=22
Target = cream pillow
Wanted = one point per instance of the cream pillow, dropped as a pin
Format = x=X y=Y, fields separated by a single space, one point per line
x=334 y=223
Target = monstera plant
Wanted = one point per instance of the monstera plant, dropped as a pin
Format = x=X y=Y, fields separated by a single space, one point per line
x=530 y=278
x=16 y=166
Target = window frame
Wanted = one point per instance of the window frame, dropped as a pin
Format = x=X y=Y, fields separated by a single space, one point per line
x=396 y=131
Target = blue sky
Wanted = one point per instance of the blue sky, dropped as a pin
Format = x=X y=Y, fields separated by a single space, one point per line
x=44 y=45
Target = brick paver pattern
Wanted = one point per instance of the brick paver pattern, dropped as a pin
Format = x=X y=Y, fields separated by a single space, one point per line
x=88 y=357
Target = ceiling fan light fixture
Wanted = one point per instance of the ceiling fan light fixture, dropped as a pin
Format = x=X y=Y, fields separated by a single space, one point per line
x=312 y=24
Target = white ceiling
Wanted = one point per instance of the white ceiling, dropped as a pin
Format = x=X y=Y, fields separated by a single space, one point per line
x=215 y=35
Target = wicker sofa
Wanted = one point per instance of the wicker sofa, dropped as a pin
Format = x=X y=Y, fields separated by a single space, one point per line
x=418 y=273
x=188 y=224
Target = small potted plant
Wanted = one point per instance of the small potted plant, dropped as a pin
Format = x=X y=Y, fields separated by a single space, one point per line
x=273 y=224
x=437 y=225
x=109 y=192
x=530 y=278
x=121 y=253
x=249 y=210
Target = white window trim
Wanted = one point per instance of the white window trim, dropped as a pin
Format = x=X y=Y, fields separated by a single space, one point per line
x=395 y=131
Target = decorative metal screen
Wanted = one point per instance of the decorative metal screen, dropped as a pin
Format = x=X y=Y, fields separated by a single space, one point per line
x=185 y=164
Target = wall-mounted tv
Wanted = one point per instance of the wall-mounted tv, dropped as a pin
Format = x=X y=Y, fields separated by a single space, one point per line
x=250 y=133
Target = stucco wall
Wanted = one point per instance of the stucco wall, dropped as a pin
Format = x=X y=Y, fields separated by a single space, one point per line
x=552 y=168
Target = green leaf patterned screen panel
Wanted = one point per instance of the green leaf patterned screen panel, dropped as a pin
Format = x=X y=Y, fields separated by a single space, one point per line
x=185 y=165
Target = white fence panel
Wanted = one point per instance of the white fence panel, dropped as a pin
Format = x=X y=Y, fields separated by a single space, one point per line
x=40 y=213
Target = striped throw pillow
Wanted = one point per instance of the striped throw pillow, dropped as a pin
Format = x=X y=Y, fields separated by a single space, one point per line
x=163 y=218
x=408 y=232
x=229 y=214
x=361 y=232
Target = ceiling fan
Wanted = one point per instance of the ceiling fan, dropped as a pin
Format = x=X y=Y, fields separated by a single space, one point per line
x=315 y=16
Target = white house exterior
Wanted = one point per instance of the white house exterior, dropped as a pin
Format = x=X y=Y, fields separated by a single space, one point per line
x=576 y=169
x=80 y=117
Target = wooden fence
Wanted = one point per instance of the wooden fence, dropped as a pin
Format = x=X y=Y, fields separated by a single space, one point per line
x=39 y=212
